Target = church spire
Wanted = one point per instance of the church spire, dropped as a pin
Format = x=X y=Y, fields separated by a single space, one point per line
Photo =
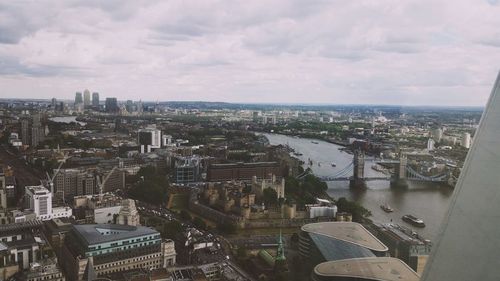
x=280 y=253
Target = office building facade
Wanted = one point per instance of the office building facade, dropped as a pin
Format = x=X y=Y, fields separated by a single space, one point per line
x=112 y=105
x=148 y=139
x=78 y=98
x=32 y=132
x=102 y=249
x=95 y=100
x=39 y=203
x=86 y=98
x=74 y=182
x=243 y=171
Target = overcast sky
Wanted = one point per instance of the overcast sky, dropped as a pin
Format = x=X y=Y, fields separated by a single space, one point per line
x=413 y=52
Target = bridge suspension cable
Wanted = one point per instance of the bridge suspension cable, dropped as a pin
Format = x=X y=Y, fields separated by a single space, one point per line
x=343 y=172
x=415 y=175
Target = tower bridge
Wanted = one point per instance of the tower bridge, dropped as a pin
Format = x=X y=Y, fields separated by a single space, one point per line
x=355 y=172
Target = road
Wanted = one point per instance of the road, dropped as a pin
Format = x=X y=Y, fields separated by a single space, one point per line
x=218 y=253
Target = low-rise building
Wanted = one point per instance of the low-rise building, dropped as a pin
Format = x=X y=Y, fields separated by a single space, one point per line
x=405 y=244
x=21 y=244
x=243 y=171
x=106 y=208
x=46 y=270
x=39 y=201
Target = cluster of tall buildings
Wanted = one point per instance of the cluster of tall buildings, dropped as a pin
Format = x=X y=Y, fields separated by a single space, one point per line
x=84 y=101
x=87 y=101
x=437 y=135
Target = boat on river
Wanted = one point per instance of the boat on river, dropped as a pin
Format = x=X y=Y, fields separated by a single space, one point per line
x=386 y=208
x=413 y=220
x=315 y=142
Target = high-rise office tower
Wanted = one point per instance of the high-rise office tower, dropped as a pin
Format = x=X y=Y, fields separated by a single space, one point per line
x=32 y=131
x=78 y=98
x=25 y=131
x=111 y=105
x=466 y=140
x=95 y=100
x=37 y=131
x=149 y=138
x=129 y=106
x=59 y=107
x=86 y=98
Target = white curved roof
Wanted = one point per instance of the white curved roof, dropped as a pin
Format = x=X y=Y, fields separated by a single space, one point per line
x=351 y=232
x=381 y=269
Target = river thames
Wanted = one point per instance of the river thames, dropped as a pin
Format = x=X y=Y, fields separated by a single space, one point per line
x=428 y=201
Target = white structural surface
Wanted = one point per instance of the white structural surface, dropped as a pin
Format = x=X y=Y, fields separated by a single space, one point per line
x=468 y=244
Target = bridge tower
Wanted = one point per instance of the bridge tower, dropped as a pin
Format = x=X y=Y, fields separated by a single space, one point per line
x=358 y=176
x=403 y=161
x=359 y=164
x=400 y=172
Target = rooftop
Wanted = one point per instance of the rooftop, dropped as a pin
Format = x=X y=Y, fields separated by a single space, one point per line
x=100 y=233
x=403 y=233
x=37 y=189
x=382 y=269
x=350 y=232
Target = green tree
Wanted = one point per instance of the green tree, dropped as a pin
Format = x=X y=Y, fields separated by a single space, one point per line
x=151 y=186
x=199 y=223
x=171 y=229
x=359 y=213
x=226 y=228
x=185 y=215
x=269 y=196
x=241 y=252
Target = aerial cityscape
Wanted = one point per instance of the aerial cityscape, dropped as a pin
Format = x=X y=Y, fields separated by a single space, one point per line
x=103 y=188
x=277 y=140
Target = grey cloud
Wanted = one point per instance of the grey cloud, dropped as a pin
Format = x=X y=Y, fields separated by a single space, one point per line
x=15 y=23
x=11 y=66
x=278 y=50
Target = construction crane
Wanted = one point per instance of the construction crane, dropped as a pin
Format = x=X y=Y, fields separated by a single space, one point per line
x=100 y=184
x=51 y=179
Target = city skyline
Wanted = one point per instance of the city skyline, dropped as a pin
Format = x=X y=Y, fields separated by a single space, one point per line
x=411 y=53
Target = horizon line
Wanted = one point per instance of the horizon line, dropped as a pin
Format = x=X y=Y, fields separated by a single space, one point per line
x=263 y=103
